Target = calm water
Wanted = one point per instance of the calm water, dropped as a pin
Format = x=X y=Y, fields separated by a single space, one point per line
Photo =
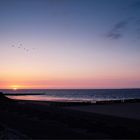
x=78 y=95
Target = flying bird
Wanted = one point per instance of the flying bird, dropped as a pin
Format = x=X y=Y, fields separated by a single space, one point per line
x=20 y=46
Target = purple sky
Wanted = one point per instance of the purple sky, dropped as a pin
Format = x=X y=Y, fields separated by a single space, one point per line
x=70 y=43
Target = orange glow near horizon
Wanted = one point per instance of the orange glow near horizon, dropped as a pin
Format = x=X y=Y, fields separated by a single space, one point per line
x=67 y=82
x=15 y=87
x=71 y=84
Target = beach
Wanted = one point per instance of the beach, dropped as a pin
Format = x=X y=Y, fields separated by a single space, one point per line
x=42 y=120
x=124 y=110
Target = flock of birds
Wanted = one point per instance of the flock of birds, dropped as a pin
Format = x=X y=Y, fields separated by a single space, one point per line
x=20 y=46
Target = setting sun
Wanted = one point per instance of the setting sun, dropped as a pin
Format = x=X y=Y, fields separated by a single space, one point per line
x=15 y=87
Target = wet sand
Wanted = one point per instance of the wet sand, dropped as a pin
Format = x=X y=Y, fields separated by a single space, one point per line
x=43 y=120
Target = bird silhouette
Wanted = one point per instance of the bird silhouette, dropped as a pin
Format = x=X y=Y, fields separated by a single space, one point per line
x=20 y=46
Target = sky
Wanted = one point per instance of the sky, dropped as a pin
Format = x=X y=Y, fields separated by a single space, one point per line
x=69 y=44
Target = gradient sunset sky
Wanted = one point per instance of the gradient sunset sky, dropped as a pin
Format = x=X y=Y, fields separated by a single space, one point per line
x=70 y=43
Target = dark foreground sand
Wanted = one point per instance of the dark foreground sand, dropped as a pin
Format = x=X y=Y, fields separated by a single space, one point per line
x=40 y=120
x=125 y=110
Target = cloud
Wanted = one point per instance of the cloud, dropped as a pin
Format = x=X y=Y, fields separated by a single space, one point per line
x=120 y=25
x=131 y=20
x=113 y=35
x=117 y=31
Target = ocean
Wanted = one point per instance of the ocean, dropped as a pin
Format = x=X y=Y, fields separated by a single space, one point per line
x=76 y=94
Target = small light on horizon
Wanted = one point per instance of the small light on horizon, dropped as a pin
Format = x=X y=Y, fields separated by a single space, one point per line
x=15 y=87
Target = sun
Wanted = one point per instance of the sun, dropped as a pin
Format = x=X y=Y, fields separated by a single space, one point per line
x=15 y=87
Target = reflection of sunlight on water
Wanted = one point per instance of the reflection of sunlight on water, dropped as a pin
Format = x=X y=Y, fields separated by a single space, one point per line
x=45 y=98
x=29 y=97
x=75 y=95
x=58 y=99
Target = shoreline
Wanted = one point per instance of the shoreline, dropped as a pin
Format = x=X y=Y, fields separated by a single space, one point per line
x=74 y=101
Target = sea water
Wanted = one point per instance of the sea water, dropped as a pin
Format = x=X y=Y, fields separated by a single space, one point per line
x=76 y=94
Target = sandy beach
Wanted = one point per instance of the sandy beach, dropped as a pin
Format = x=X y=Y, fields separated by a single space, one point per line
x=42 y=120
x=124 y=110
